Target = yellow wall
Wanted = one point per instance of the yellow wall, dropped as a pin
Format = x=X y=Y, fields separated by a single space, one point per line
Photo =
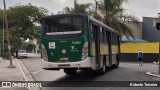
x=104 y=49
x=145 y=47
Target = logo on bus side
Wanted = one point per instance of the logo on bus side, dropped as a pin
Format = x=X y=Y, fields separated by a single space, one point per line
x=52 y=45
x=64 y=51
x=74 y=49
x=76 y=42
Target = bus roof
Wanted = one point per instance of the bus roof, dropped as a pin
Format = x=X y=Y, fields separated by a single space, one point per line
x=103 y=25
x=60 y=15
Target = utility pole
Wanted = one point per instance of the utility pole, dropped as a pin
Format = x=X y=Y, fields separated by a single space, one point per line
x=3 y=37
x=96 y=6
x=159 y=43
x=75 y=2
x=8 y=37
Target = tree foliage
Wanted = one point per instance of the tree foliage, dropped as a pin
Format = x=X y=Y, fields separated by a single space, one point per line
x=110 y=12
x=79 y=8
x=1 y=19
x=24 y=20
x=114 y=16
x=23 y=23
x=28 y=47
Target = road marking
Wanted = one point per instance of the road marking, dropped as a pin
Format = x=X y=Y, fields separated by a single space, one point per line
x=25 y=78
x=37 y=71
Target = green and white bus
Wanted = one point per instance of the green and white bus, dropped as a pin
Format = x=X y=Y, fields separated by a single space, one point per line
x=77 y=41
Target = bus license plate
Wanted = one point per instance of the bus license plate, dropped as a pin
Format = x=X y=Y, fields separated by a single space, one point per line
x=64 y=58
x=64 y=65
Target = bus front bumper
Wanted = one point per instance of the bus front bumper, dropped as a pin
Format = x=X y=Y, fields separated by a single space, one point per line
x=81 y=64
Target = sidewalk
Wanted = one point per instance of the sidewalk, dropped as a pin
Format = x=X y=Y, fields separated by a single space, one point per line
x=11 y=74
x=154 y=73
x=20 y=73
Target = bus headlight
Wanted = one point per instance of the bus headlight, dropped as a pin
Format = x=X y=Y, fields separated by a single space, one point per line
x=44 y=53
x=85 y=51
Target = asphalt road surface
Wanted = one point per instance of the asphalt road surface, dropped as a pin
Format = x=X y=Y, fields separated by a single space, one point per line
x=125 y=72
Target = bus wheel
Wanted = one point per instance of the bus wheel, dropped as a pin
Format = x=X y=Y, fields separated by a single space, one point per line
x=117 y=63
x=70 y=71
x=103 y=69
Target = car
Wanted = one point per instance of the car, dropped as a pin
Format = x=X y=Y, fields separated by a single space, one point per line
x=22 y=53
x=1 y=58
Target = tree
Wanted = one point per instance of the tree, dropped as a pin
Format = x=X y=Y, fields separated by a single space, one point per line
x=110 y=12
x=113 y=15
x=24 y=20
x=79 y=8
x=23 y=23
x=1 y=19
x=1 y=25
x=27 y=46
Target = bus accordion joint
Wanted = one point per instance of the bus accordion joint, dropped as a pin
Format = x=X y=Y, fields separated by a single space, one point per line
x=85 y=51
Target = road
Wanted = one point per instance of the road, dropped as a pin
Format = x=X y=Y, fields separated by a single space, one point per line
x=125 y=72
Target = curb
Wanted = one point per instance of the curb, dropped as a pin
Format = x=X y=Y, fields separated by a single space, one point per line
x=26 y=72
x=27 y=76
x=156 y=63
x=154 y=75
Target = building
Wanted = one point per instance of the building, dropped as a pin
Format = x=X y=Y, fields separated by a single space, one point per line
x=136 y=28
x=145 y=30
x=149 y=31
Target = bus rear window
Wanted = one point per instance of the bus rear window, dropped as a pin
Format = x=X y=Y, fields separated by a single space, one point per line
x=63 y=25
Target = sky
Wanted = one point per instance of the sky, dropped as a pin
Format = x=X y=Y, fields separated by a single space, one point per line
x=138 y=8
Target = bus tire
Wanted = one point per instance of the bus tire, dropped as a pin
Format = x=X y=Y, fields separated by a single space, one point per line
x=117 y=63
x=103 y=69
x=70 y=71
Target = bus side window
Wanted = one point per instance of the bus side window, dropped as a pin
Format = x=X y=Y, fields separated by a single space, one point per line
x=112 y=38
x=116 y=41
x=93 y=27
x=91 y=31
x=107 y=37
x=101 y=35
x=104 y=36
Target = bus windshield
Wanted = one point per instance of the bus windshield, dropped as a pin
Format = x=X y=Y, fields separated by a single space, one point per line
x=63 y=26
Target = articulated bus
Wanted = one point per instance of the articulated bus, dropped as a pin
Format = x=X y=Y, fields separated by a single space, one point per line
x=77 y=41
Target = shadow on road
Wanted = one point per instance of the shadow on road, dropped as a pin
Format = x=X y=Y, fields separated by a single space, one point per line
x=82 y=78
x=83 y=75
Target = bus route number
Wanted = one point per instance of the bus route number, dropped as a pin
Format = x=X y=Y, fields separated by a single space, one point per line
x=76 y=42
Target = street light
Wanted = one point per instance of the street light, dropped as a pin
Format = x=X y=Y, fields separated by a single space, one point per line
x=8 y=37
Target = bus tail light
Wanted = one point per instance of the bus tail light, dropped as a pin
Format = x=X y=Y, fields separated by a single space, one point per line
x=85 y=51
x=44 y=53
